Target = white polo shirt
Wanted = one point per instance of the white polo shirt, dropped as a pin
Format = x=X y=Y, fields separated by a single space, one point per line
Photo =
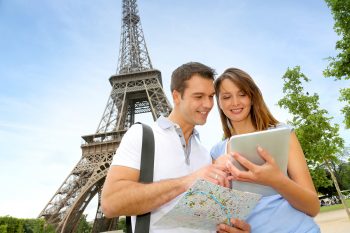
x=172 y=159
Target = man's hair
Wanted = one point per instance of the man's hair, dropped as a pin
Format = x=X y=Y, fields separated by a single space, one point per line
x=186 y=71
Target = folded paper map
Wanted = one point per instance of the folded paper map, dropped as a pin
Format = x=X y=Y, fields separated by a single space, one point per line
x=205 y=205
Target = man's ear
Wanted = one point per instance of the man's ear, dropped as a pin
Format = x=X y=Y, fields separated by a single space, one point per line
x=176 y=97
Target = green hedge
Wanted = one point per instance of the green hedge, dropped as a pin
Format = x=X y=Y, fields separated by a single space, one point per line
x=10 y=224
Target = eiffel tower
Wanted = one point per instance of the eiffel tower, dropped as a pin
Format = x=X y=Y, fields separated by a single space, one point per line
x=136 y=88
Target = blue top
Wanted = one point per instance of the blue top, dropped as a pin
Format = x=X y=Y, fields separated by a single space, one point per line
x=273 y=213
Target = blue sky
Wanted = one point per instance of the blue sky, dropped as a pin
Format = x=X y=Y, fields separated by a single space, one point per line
x=56 y=58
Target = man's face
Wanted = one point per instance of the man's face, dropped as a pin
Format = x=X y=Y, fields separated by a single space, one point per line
x=196 y=101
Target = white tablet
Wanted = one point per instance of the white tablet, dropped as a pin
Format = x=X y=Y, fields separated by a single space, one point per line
x=275 y=141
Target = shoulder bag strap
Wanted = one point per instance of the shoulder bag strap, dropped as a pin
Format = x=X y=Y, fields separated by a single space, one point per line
x=146 y=176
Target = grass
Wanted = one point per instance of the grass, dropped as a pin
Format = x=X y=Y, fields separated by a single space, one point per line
x=335 y=207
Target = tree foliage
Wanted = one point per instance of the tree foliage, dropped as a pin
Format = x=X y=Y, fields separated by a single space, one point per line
x=343 y=175
x=318 y=137
x=345 y=97
x=341 y=172
x=339 y=66
x=3 y=228
x=121 y=224
x=84 y=226
x=10 y=224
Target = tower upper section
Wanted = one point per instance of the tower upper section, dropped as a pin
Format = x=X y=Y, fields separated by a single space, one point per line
x=133 y=54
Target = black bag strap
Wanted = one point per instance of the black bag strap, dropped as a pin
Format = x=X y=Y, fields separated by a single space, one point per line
x=147 y=155
x=146 y=176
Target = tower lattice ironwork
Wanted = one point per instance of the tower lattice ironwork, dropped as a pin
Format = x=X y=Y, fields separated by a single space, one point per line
x=136 y=88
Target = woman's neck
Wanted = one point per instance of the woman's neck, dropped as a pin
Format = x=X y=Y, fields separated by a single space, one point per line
x=243 y=127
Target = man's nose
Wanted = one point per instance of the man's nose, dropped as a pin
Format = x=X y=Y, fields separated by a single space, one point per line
x=208 y=102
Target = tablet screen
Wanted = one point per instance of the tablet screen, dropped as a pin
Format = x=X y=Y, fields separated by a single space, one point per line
x=275 y=141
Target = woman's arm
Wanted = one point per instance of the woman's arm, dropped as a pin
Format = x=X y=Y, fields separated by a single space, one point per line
x=299 y=189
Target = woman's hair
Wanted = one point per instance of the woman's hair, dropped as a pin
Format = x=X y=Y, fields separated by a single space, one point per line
x=261 y=117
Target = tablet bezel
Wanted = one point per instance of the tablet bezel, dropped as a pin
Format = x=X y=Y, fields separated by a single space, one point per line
x=274 y=141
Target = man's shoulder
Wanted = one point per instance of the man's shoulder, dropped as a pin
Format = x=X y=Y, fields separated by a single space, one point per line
x=137 y=127
x=134 y=129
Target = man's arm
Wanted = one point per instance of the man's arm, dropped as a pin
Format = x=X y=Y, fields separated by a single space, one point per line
x=122 y=194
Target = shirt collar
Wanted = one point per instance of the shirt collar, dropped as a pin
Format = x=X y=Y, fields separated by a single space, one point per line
x=165 y=123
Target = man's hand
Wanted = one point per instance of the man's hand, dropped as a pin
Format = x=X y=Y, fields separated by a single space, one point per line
x=238 y=226
x=224 y=160
x=212 y=173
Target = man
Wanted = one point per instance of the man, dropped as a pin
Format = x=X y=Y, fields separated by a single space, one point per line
x=179 y=157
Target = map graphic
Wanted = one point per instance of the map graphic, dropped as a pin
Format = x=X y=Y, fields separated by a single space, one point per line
x=205 y=205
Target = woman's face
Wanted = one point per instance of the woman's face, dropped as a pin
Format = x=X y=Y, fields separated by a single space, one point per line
x=235 y=103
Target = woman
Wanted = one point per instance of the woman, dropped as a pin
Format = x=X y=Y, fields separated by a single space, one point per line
x=243 y=110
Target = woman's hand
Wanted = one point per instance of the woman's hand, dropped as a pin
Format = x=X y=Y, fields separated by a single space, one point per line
x=267 y=174
x=238 y=226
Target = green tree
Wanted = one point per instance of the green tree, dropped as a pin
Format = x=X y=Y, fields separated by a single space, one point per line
x=344 y=175
x=10 y=222
x=339 y=66
x=3 y=228
x=342 y=170
x=318 y=137
x=20 y=228
x=15 y=225
x=121 y=224
x=84 y=226
x=46 y=228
